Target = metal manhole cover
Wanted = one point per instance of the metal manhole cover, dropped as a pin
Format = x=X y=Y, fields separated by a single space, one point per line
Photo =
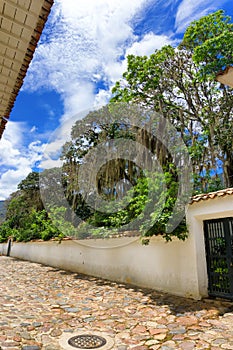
x=87 y=341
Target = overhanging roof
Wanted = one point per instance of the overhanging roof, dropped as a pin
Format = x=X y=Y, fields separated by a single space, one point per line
x=226 y=77
x=21 y=25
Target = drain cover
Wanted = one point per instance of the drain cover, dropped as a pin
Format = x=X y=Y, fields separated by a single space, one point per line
x=87 y=341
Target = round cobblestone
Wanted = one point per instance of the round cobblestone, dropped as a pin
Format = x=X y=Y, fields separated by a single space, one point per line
x=38 y=304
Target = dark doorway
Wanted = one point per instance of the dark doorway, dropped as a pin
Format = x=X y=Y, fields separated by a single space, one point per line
x=219 y=256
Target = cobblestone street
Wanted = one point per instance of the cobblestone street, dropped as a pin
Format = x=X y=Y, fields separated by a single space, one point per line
x=38 y=304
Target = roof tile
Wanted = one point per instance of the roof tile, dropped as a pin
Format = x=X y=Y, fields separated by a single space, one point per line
x=212 y=195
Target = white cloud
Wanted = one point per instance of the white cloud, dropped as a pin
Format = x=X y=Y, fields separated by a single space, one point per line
x=83 y=46
x=16 y=160
x=33 y=129
x=190 y=10
x=10 y=179
x=149 y=43
x=102 y=98
x=79 y=96
x=146 y=46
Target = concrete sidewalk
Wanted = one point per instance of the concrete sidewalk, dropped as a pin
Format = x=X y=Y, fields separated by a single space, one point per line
x=40 y=305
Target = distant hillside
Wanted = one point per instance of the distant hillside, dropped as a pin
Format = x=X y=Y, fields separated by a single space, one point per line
x=2 y=211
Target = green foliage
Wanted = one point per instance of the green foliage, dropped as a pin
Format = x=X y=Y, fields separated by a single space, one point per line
x=63 y=227
x=6 y=231
x=147 y=206
x=161 y=211
x=133 y=204
x=30 y=183
x=26 y=219
x=36 y=225
x=210 y=39
x=87 y=231
x=143 y=76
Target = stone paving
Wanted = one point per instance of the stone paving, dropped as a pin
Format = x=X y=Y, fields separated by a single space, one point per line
x=38 y=304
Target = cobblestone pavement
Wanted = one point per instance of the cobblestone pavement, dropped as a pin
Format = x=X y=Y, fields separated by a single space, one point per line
x=38 y=304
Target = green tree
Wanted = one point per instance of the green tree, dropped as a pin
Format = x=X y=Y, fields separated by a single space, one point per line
x=26 y=218
x=26 y=198
x=171 y=82
x=124 y=208
x=210 y=39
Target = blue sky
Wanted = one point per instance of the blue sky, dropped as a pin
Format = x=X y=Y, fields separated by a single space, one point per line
x=80 y=56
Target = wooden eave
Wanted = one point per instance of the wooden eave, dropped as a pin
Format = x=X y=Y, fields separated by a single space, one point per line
x=21 y=25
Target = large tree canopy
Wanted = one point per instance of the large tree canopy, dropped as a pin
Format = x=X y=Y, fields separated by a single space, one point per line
x=179 y=85
x=171 y=81
x=108 y=174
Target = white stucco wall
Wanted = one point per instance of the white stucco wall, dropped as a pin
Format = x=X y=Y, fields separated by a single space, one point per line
x=162 y=266
x=176 y=267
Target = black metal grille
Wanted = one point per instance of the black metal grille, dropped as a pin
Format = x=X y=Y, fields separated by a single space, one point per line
x=219 y=255
x=87 y=341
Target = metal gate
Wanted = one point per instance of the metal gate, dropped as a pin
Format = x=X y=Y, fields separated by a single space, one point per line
x=219 y=255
